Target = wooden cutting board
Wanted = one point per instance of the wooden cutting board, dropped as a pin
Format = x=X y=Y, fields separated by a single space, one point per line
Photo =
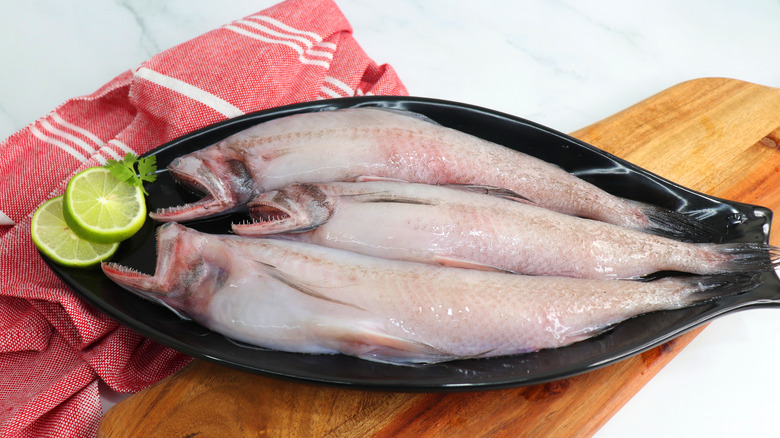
x=717 y=136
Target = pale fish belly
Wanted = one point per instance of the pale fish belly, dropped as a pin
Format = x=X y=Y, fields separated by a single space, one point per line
x=300 y=297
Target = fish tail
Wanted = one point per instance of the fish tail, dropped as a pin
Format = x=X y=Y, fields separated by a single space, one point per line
x=700 y=289
x=676 y=225
x=742 y=257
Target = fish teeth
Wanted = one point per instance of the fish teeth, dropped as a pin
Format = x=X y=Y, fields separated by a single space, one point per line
x=189 y=182
x=173 y=209
x=250 y=222
x=125 y=269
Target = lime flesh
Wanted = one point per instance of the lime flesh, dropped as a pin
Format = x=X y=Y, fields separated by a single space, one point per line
x=100 y=208
x=52 y=237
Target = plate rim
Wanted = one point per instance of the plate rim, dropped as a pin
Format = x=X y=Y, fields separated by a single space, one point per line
x=405 y=386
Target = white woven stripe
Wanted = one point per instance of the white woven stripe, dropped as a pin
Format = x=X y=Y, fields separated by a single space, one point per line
x=327 y=45
x=328 y=92
x=348 y=91
x=318 y=53
x=121 y=146
x=308 y=43
x=112 y=153
x=197 y=94
x=298 y=49
x=94 y=138
x=54 y=142
x=268 y=31
x=286 y=27
x=56 y=132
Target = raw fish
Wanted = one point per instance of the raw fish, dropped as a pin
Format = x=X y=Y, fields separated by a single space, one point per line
x=484 y=228
x=299 y=297
x=347 y=144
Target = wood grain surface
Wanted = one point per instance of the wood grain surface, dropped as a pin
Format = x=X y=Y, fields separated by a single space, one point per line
x=717 y=136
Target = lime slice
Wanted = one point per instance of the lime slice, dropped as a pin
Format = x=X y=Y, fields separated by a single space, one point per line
x=53 y=238
x=100 y=208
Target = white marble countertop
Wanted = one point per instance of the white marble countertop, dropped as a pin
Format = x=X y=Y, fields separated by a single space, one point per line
x=564 y=64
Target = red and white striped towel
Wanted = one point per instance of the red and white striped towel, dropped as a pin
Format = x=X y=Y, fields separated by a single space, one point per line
x=53 y=346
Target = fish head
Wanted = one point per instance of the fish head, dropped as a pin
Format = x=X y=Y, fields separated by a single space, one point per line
x=225 y=181
x=295 y=208
x=186 y=270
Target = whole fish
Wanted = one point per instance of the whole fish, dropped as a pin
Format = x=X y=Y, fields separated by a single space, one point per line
x=299 y=297
x=484 y=228
x=347 y=144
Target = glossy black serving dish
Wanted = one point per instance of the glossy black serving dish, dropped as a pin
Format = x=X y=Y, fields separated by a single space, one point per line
x=735 y=222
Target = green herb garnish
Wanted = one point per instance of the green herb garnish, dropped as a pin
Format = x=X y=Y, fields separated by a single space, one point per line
x=134 y=170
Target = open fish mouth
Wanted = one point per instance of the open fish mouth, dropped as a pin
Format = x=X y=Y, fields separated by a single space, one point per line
x=139 y=282
x=270 y=218
x=296 y=208
x=130 y=278
x=269 y=213
x=146 y=286
x=198 y=177
x=187 y=211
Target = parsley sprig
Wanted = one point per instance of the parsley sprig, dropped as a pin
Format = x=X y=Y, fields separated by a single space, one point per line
x=134 y=170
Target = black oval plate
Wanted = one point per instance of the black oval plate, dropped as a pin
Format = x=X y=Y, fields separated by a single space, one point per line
x=736 y=222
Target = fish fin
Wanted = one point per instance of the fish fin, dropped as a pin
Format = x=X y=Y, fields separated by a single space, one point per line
x=588 y=333
x=455 y=262
x=743 y=257
x=491 y=191
x=374 y=178
x=698 y=289
x=406 y=113
x=379 y=346
x=300 y=286
x=180 y=313
x=676 y=225
x=706 y=288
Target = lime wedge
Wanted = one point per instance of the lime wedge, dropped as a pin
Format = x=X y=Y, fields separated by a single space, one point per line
x=52 y=236
x=100 y=208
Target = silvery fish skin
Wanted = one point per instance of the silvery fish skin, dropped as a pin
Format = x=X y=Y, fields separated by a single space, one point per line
x=481 y=227
x=305 y=298
x=346 y=144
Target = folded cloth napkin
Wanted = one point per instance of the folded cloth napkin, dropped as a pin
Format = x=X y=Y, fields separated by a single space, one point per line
x=54 y=348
